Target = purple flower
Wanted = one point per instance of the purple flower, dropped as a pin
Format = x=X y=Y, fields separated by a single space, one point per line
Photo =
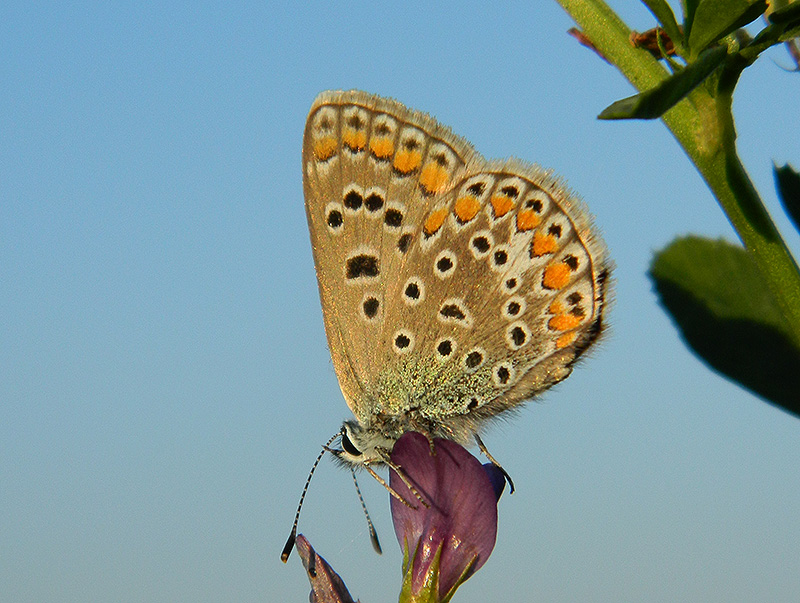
x=448 y=540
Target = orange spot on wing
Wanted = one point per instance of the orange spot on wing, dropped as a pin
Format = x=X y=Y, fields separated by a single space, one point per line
x=325 y=148
x=564 y=322
x=406 y=162
x=435 y=220
x=527 y=219
x=565 y=339
x=501 y=204
x=556 y=276
x=433 y=177
x=556 y=308
x=543 y=244
x=382 y=148
x=466 y=208
x=355 y=140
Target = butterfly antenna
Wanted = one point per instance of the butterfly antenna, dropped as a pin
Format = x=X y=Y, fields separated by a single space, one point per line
x=373 y=535
x=287 y=549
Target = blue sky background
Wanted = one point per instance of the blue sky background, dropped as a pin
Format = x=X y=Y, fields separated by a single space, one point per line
x=165 y=382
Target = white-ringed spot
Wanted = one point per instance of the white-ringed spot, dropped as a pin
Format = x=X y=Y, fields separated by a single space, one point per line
x=445 y=348
x=514 y=307
x=503 y=373
x=454 y=310
x=481 y=244
x=403 y=341
x=353 y=198
x=414 y=291
x=474 y=359
x=445 y=264
x=334 y=217
x=517 y=335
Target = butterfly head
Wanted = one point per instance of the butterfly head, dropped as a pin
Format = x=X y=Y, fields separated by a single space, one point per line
x=363 y=445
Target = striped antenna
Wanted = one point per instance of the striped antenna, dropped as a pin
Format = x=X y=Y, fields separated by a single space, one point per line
x=287 y=549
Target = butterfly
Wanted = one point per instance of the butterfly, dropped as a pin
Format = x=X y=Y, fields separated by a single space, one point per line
x=453 y=288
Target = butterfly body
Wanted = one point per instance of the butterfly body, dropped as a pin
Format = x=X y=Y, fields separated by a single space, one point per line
x=453 y=288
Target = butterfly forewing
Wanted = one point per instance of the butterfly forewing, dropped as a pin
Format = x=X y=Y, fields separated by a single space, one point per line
x=370 y=168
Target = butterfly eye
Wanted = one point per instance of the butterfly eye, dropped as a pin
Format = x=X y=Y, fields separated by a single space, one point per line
x=348 y=446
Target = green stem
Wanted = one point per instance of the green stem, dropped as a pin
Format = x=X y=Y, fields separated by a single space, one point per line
x=703 y=125
x=727 y=178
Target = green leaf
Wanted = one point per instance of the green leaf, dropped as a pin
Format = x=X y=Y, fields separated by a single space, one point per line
x=666 y=18
x=689 y=9
x=787 y=181
x=790 y=34
x=428 y=591
x=715 y=19
x=717 y=298
x=653 y=103
x=789 y=14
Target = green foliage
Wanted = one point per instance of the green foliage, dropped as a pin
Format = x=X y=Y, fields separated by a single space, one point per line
x=708 y=23
x=715 y=19
x=738 y=308
x=714 y=293
x=664 y=15
x=788 y=184
x=788 y=15
x=653 y=103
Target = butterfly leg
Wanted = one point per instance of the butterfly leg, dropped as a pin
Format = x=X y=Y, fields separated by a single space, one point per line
x=430 y=442
x=420 y=427
x=488 y=455
x=402 y=475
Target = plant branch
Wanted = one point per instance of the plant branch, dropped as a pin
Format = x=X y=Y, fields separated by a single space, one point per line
x=703 y=125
